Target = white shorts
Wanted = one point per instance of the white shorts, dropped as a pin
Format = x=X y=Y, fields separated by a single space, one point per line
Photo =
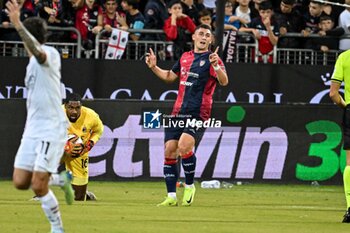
x=38 y=155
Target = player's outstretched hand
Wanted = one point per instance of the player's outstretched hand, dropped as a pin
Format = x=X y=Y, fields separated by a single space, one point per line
x=151 y=59
x=214 y=57
x=13 y=12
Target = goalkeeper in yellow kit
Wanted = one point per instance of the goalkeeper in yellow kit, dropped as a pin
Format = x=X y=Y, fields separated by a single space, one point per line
x=86 y=125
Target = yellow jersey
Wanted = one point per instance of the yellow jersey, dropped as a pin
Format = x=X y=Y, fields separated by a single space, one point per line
x=88 y=127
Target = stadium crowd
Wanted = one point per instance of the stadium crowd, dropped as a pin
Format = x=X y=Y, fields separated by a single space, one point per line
x=179 y=17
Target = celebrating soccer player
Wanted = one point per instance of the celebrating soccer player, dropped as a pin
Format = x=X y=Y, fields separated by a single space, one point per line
x=198 y=70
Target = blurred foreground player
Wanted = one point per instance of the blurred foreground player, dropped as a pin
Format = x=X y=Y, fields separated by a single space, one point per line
x=198 y=70
x=341 y=74
x=44 y=135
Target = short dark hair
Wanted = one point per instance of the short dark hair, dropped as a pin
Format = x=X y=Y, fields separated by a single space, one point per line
x=317 y=2
x=173 y=2
x=72 y=97
x=205 y=26
x=265 y=5
x=133 y=3
x=326 y=17
x=204 y=12
x=37 y=27
x=289 y=2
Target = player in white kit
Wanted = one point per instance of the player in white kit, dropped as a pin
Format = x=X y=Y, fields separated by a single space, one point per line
x=45 y=134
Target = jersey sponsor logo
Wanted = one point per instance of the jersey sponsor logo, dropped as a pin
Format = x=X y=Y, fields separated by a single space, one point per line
x=186 y=83
x=195 y=75
x=185 y=73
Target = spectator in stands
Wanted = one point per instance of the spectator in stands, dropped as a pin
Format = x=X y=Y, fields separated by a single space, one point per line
x=11 y=34
x=52 y=12
x=344 y=22
x=111 y=17
x=231 y=20
x=134 y=18
x=155 y=15
x=48 y=9
x=243 y=11
x=326 y=28
x=266 y=31
x=312 y=18
x=86 y=19
x=189 y=8
x=204 y=17
x=290 y=20
x=176 y=28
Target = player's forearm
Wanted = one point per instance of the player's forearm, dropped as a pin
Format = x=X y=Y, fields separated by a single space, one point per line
x=335 y=95
x=222 y=77
x=162 y=74
x=31 y=44
x=338 y=100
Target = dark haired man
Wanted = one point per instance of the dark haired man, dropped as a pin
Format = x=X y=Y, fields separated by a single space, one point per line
x=265 y=30
x=134 y=18
x=87 y=127
x=198 y=70
x=44 y=136
x=290 y=20
x=84 y=130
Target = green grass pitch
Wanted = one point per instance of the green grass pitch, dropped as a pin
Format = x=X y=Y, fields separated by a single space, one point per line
x=130 y=207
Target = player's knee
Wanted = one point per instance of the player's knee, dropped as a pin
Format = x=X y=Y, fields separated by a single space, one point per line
x=39 y=188
x=21 y=184
x=169 y=154
x=184 y=149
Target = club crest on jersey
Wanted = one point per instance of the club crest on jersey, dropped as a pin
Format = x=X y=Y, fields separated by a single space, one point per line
x=84 y=129
x=201 y=63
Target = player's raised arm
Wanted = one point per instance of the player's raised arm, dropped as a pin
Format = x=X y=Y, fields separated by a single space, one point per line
x=221 y=74
x=31 y=44
x=165 y=75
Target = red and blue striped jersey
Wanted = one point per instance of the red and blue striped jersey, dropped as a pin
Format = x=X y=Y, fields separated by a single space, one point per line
x=197 y=84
